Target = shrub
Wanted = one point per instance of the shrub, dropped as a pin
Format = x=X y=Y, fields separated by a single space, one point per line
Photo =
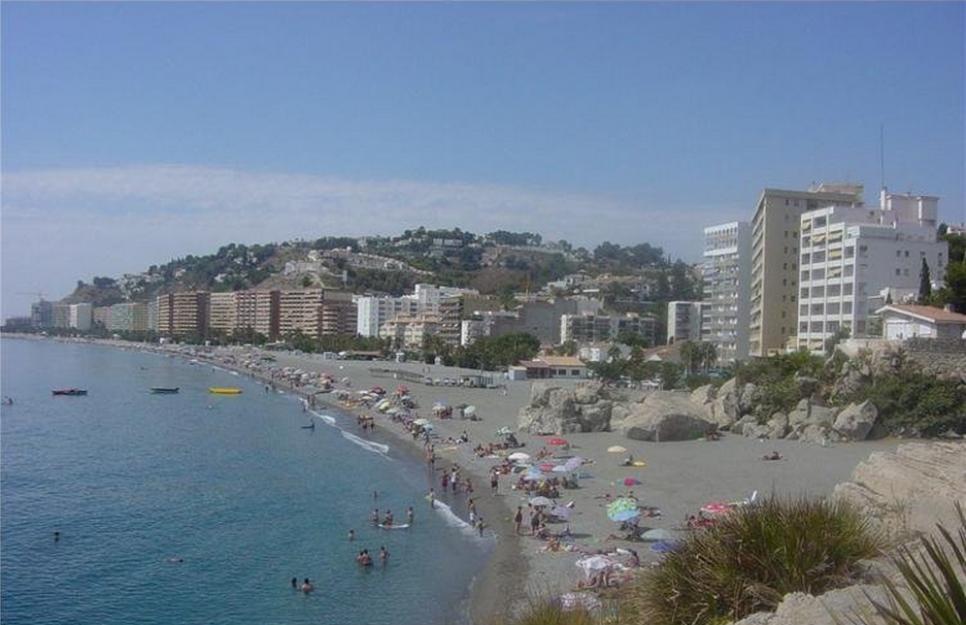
x=752 y=558
x=550 y=613
x=915 y=400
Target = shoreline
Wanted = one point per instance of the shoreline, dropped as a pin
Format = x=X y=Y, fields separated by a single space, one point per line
x=677 y=478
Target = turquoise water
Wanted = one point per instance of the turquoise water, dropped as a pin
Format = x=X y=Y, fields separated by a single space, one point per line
x=232 y=485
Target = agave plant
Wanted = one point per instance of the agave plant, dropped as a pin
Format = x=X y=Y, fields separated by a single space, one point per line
x=934 y=577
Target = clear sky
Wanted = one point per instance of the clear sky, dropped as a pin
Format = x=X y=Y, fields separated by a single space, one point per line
x=134 y=133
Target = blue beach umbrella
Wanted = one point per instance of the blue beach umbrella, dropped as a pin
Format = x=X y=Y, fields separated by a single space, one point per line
x=664 y=546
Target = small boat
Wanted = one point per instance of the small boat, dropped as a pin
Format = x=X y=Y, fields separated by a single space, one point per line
x=163 y=390
x=72 y=392
x=224 y=390
x=308 y=427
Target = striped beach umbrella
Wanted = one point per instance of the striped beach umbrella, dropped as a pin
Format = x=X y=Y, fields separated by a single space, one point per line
x=623 y=509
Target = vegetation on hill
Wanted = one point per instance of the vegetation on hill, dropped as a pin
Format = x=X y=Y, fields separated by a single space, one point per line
x=494 y=263
x=954 y=291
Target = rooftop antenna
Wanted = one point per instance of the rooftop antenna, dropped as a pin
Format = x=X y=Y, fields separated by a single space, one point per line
x=882 y=155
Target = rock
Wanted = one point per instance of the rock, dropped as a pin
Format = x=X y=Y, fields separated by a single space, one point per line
x=540 y=393
x=665 y=416
x=618 y=413
x=588 y=393
x=754 y=430
x=821 y=415
x=777 y=425
x=743 y=422
x=813 y=433
x=595 y=417
x=724 y=410
x=747 y=399
x=878 y=432
x=703 y=395
x=856 y=420
x=912 y=488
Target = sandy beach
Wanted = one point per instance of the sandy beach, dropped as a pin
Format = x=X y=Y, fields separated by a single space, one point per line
x=679 y=477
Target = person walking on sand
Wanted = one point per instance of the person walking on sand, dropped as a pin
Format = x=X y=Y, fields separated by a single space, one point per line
x=432 y=498
x=494 y=482
x=480 y=525
x=471 y=507
x=518 y=519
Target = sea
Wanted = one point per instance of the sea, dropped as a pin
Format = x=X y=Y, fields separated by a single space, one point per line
x=196 y=508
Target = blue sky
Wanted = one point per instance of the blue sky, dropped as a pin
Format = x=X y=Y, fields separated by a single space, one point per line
x=133 y=133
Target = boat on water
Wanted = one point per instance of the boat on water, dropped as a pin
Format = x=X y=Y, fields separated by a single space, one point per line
x=163 y=390
x=224 y=390
x=73 y=392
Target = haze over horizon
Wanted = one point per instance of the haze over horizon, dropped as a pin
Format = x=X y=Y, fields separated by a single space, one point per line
x=137 y=133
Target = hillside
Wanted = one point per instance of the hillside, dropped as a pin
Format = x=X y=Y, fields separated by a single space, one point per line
x=496 y=263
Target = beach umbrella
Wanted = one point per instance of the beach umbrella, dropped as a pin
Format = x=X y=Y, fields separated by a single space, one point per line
x=616 y=449
x=561 y=468
x=561 y=512
x=541 y=501
x=469 y=411
x=557 y=442
x=657 y=534
x=546 y=466
x=623 y=509
x=573 y=463
x=421 y=422
x=631 y=481
x=664 y=546
x=392 y=411
x=519 y=456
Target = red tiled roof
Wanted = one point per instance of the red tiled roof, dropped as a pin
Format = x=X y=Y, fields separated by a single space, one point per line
x=936 y=315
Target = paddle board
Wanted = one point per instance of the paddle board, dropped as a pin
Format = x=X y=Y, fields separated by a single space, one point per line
x=394 y=527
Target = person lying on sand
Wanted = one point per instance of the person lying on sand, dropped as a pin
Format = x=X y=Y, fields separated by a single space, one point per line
x=772 y=456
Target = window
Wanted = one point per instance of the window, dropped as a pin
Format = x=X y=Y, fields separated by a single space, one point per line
x=575 y=372
x=783 y=314
x=897 y=271
x=817 y=309
x=907 y=253
x=832 y=308
x=803 y=310
x=785 y=265
x=803 y=326
x=804 y=291
x=898 y=253
x=833 y=327
x=818 y=257
x=834 y=290
x=849 y=270
x=818 y=291
x=847 y=288
x=793 y=298
x=818 y=274
x=784 y=281
x=850 y=251
x=817 y=326
x=846 y=308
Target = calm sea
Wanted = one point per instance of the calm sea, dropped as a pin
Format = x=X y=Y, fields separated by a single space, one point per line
x=232 y=485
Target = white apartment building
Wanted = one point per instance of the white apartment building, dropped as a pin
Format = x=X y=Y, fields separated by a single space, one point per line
x=684 y=321
x=410 y=331
x=81 y=316
x=726 y=274
x=373 y=312
x=854 y=258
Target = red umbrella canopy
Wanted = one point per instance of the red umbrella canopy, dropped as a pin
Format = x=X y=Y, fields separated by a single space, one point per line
x=557 y=442
x=546 y=466
x=631 y=481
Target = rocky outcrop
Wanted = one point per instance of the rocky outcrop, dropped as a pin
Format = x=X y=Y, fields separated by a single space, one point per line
x=666 y=416
x=855 y=421
x=906 y=492
x=912 y=488
x=557 y=410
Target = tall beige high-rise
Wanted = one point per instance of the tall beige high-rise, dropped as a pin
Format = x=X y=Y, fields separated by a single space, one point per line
x=774 y=260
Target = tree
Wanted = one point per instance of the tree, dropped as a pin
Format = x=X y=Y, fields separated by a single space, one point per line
x=925 y=287
x=840 y=335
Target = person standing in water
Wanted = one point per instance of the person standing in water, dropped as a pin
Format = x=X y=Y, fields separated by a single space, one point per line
x=295 y=580
x=383 y=555
x=410 y=515
x=352 y=535
x=432 y=498
x=480 y=525
x=518 y=519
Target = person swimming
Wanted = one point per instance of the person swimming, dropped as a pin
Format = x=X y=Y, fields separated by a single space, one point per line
x=307 y=586
x=410 y=515
x=388 y=520
x=374 y=517
x=383 y=555
x=56 y=537
x=295 y=583
x=352 y=535
x=364 y=559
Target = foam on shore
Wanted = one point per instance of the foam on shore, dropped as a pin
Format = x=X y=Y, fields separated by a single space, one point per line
x=452 y=519
x=377 y=448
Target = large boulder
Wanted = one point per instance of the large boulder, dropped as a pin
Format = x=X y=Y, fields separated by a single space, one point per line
x=703 y=395
x=666 y=416
x=545 y=420
x=595 y=417
x=856 y=420
x=618 y=413
x=742 y=423
x=540 y=393
x=776 y=427
x=807 y=386
x=912 y=488
x=747 y=398
x=725 y=409
x=588 y=393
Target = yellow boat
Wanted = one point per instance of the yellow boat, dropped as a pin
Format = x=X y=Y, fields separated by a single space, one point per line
x=224 y=390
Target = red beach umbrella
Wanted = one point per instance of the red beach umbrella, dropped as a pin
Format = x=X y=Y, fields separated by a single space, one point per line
x=557 y=442
x=546 y=466
x=631 y=481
